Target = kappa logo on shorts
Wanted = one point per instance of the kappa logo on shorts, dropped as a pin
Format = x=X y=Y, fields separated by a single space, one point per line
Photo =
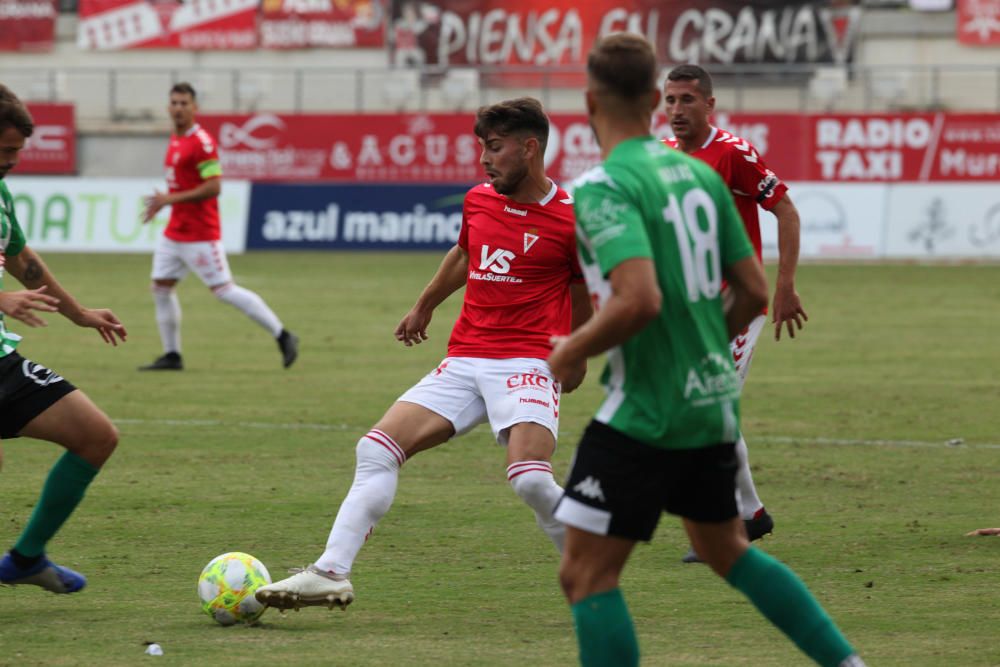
x=590 y=488
x=39 y=374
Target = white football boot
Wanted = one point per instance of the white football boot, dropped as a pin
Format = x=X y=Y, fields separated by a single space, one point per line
x=310 y=587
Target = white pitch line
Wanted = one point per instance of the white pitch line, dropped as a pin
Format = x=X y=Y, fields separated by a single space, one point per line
x=219 y=422
x=877 y=443
x=780 y=439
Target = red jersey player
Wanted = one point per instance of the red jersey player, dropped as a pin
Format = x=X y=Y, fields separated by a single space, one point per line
x=689 y=104
x=516 y=257
x=192 y=239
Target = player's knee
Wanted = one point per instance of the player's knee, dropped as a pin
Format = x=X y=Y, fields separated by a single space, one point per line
x=223 y=292
x=100 y=443
x=535 y=488
x=379 y=452
x=571 y=579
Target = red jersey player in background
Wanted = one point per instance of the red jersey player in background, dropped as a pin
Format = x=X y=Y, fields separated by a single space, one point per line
x=516 y=257
x=192 y=240
x=689 y=105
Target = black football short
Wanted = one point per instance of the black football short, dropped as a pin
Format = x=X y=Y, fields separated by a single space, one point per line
x=27 y=390
x=620 y=486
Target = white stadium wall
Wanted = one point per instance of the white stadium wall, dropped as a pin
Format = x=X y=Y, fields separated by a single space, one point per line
x=105 y=215
x=941 y=221
x=900 y=221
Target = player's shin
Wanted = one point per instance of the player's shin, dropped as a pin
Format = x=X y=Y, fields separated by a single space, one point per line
x=782 y=597
x=251 y=305
x=534 y=483
x=63 y=490
x=746 y=495
x=375 y=478
x=168 y=317
x=605 y=632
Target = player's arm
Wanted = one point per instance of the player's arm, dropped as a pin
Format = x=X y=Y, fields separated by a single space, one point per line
x=787 y=307
x=158 y=200
x=449 y=278
x=746 y=295
x=27 y=266
x=634 y=302
x=582 y=304
x=583 y=310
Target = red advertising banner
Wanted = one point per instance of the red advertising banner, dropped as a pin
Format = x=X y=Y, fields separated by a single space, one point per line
x=51 y=149
x=299 y=24
x=530 y=33
x=874 y=148
x=435 y=148
x=27 y=25
x=159 y=24
x=978 y=22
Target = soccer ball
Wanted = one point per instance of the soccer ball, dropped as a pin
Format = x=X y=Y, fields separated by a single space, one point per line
x=226 y=587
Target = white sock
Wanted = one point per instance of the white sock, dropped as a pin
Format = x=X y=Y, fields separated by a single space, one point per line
x=168 y=317
x=375 y=478
x=252 y=305
x=746 y=493
x=534 y=483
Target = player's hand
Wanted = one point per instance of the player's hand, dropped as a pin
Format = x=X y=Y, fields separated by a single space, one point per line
x=984 y=531
x=787 y=311
x=21 y=305
x=106 y=323
x=154 y=203
x=576 y=377
x=413 y=327
x=565 y=369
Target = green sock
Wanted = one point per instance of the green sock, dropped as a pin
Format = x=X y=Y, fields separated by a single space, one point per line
x=62 y=492
x=605 y=632
x=782 y=597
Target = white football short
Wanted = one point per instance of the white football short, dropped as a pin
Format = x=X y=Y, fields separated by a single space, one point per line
x=206 y=259
x=743 y=345
x=468 y=391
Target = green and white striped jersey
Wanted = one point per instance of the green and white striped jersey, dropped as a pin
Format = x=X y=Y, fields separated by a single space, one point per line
x=11 y=243
x=672 y=385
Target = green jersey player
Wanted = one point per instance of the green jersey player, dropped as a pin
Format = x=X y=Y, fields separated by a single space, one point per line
x=657 y=234
x=34 y=401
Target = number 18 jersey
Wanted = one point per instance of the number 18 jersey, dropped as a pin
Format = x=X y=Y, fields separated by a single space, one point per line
x=673 y=384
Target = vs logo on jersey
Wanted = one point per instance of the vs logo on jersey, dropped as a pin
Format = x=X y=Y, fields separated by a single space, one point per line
x=497 y=261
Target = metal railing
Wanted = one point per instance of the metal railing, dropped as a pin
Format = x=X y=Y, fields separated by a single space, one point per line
x=124 y=95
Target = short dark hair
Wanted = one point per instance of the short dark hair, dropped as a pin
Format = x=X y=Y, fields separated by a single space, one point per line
x=693 y=73
x=14 y=114
x=184 y=88
x=623 y=64
x=521 y=115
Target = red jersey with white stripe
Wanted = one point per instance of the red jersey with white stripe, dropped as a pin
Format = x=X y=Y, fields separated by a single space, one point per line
x=191 y=160
x=522 y=260
x=744 y=171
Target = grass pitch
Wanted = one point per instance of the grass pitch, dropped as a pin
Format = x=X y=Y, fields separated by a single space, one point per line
x=848 y=428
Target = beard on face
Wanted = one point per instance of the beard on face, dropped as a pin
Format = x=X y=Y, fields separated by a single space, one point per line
x=509 y=183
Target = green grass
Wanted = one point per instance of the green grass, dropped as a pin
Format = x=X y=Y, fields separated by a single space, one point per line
x=237 y=454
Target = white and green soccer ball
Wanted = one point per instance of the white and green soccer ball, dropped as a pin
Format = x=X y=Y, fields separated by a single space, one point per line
x=226 y=587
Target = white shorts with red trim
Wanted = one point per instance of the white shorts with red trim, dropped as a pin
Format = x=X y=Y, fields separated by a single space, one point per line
x=468 y=391
x=743 y=345
x=206 y=259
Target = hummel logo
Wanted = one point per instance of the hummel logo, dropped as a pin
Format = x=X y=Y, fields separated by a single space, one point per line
x=590 y=488
x=529 y=240
x=515 y=211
